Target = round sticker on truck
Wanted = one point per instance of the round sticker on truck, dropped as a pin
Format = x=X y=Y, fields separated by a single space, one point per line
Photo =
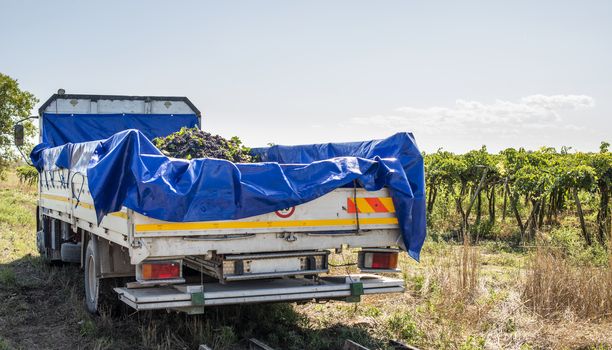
x=285 y=213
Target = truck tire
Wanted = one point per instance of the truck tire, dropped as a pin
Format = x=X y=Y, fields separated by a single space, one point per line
x=92 y=279
x=99 y=293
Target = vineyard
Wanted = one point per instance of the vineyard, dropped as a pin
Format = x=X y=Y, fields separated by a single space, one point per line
x=516 y=194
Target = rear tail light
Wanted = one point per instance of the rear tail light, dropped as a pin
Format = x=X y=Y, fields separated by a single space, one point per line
x=380 y=259
x=160 y=270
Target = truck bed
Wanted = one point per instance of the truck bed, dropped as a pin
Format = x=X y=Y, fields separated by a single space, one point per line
x=345 y=216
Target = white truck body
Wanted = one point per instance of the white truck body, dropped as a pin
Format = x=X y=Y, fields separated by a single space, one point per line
x=270 y=245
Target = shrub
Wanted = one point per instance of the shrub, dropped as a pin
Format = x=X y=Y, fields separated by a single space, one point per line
x=572 y=246
x=27 y=174
x=473 y=343
x=402 y=325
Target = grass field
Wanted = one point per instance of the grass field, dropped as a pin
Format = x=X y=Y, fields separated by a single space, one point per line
x=493 y=296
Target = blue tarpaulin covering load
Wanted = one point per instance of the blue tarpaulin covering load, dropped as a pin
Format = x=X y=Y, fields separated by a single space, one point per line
x=59 y=129
x=128 y=170
x=400 y=148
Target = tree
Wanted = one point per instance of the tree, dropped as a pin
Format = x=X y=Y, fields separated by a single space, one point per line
x=602 y=164
x=577 y=177
x=443 y=169
x=472 y=176
x=15 y=104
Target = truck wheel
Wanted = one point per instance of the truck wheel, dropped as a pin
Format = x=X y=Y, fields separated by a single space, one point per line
x=92 y=281
x=99 y=293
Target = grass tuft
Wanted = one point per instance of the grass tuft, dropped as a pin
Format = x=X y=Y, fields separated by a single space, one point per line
x=7 y=278
x=554 y=287
x=4 y=345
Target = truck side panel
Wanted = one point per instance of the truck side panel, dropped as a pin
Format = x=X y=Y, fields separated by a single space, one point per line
x=324 y=223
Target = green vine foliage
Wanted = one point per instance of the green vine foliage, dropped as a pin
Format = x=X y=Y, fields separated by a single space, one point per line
x=534 y=185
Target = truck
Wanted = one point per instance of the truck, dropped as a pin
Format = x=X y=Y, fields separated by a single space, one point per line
x=149 y=263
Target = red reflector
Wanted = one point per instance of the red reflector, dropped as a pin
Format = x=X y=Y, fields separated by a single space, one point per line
x=381 y=260
x=159 y=271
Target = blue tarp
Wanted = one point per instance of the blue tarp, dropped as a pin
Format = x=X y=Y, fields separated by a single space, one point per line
x=128 y=170
x=401 y=147
x=59 y=129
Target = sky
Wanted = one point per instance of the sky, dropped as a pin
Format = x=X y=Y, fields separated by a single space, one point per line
x=457 y=74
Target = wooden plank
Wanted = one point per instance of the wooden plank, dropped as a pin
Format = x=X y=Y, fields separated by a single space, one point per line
x=396 y=345
x=351 y=345
x=255 y=344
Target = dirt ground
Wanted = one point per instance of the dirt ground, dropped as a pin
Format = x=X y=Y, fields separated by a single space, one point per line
x=38 y=309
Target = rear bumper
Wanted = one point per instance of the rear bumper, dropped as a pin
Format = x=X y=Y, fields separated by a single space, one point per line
x=189 y=297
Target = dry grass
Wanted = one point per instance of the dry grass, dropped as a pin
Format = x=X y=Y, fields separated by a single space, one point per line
x=553 y=288
x=463 y=299
x=469 y=272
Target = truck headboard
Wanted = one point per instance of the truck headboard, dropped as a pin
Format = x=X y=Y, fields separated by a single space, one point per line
x=80 y=118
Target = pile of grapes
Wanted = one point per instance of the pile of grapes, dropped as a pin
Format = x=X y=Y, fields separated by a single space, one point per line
x=189 y=143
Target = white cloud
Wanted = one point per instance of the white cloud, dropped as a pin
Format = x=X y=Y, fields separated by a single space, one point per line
x=535 y=112
x=559 y=101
